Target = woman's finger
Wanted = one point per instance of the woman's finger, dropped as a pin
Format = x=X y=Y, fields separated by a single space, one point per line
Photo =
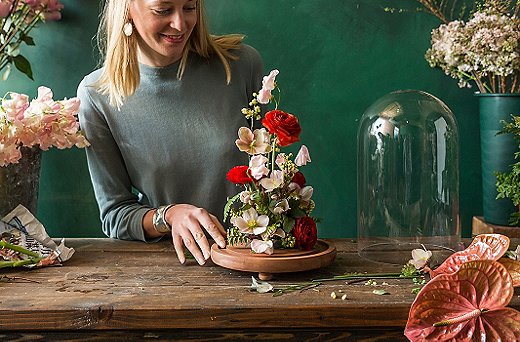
x=179 y=248
x=200 y=239
x=219 y=225
x=214 y=228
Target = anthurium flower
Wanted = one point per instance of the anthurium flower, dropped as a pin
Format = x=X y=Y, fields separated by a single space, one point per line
x=483 y=247
x=257 y=166
x=268 y=84
x=250 y=222
x=468 y=305
x=513 y=267
x=273 y=181
x=420 y=258
x=253 y=142
x=261 y=246
x=303 y=157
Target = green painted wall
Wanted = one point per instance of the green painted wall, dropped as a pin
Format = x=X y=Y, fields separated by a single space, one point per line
x=336 y=57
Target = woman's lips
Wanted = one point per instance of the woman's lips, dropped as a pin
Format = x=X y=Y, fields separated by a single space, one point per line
x=173 y=38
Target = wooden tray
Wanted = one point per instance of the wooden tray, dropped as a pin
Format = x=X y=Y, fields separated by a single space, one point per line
x=281 y=261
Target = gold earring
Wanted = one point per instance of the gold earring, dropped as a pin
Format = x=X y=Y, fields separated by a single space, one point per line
x=128 y=28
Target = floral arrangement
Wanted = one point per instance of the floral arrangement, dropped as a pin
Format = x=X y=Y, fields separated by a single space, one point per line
x=484 y=50
x=42 y=122
x=17 y=18
x=273 y=210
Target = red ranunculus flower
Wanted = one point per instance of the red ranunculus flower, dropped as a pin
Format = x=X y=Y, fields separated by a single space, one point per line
x=284 y=125
x=299 y=179
x=305 y=233
x=239 y=175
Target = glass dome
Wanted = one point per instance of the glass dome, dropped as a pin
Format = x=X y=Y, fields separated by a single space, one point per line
x=408 y=178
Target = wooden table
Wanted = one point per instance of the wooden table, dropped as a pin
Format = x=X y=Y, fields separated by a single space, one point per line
x=120 y=290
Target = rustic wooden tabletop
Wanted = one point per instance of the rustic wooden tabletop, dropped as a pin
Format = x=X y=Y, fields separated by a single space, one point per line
x=122 y=290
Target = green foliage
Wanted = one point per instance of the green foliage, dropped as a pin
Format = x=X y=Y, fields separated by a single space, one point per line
x=234 y=237
x=508 y=183
x=229 y=205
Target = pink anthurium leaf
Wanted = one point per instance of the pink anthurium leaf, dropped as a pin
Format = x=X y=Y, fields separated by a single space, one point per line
x=483 y=247
x=468 y=305
x=513 y=267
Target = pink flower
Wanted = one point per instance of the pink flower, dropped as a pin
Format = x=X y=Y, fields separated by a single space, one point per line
x=257 y=167
x=303 y=157
x=253 y=142
x=5 y=7
x=268 y=84
x=273 y=181
x=260 y=246
x=15 y=107
x=43 y=122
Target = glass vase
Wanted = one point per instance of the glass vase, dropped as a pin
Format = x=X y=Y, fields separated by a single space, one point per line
x=408 y=178
x=19 y=183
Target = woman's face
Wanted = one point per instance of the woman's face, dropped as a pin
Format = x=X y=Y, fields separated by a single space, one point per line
x=164 y=27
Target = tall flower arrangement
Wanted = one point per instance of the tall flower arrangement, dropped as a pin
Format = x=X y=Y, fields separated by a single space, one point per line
x=484 y=50
x=17 y=19
x=43 y=122
x=273 y=210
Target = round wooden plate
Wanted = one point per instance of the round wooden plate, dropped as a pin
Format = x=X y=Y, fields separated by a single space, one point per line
x=281 y=261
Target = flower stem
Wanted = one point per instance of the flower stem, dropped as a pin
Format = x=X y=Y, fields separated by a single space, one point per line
x=18 y=263
x=368 y=276
x=19 y=249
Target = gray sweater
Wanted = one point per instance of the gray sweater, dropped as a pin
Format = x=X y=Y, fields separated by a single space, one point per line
x=171 y=142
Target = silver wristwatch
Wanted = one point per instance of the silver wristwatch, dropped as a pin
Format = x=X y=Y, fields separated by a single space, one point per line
x=159 y=221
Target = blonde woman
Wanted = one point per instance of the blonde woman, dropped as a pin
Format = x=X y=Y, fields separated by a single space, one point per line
x=161 y=115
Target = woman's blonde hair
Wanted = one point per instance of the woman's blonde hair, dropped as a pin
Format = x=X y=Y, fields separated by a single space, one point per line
x=120 y=75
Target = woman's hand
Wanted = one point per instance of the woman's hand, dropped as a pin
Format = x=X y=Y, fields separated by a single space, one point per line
x=188 y=225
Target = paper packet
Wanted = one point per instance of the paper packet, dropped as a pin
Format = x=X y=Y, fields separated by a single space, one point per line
x=21 y=228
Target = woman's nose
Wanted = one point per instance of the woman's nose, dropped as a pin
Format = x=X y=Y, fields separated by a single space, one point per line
x=177 y=21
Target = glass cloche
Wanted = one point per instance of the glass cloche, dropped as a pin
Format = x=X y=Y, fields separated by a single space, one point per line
x=408 y=178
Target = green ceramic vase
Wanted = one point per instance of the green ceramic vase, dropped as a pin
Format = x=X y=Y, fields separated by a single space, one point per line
x=497 y=152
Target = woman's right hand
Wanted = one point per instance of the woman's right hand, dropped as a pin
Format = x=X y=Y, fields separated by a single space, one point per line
x=189 y=224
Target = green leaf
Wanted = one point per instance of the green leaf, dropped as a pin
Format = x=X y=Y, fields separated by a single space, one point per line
x=229 y=204
x=27 y=40
x=22 y=64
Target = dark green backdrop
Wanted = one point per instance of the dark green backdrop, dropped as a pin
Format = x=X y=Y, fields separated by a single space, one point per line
x=336 y=57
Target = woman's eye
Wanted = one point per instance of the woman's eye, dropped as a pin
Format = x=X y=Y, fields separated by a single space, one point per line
x=162 y=12
x=190 y=8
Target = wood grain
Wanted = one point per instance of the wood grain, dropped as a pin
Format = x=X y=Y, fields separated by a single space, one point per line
x=119 y=285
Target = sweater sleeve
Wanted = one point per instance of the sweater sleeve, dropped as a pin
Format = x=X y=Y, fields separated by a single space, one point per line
x=120 y=212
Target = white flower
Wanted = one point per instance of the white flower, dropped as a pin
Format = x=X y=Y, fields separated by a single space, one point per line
x=257 y=166
x=306 y=193
x=245 y=197
x=281 y=207
x=250 y=222
x=517 y=253
x=260 y=246
x=274 y=181
x=303 y=157
x=260 y=286
x=420 y=258
x=253 y=142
